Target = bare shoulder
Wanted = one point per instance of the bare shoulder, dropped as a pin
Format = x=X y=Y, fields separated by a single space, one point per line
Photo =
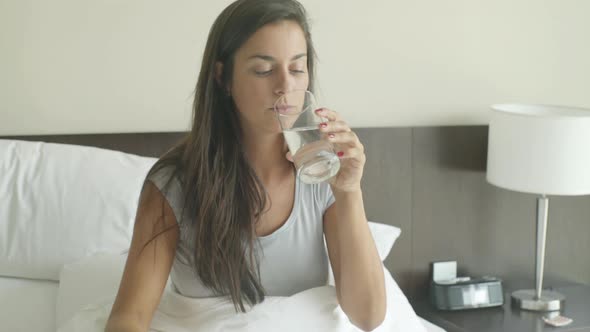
x=153 y=206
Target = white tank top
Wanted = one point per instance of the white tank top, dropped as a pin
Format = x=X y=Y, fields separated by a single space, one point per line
x=292 y=259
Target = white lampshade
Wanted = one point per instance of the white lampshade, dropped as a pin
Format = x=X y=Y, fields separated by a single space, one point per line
x=540 y=149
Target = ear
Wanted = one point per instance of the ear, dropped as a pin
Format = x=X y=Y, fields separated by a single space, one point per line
x=219 y=77
x=218 y=72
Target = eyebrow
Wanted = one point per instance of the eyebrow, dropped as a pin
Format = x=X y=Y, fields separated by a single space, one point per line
x=271 y=59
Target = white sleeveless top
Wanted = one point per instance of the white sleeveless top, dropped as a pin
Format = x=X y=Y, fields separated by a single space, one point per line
x=292 y=259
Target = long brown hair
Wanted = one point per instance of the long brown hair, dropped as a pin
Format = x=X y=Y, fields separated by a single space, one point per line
x=224 y=198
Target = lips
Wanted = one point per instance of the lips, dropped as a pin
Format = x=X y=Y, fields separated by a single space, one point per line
x=285 y=109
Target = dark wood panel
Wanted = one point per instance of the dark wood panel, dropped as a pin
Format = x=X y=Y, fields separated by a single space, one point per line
x=450 y=193
x=457 y=215
x=568 y=239
x=387 y=187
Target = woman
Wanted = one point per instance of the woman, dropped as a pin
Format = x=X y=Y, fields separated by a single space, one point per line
x=223 y=213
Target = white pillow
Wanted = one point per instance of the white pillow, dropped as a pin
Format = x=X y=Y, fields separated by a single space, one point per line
x=384 y=236
x=59 y=203
x=86 y=281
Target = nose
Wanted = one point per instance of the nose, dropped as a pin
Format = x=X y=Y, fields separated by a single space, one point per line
x=285 y=82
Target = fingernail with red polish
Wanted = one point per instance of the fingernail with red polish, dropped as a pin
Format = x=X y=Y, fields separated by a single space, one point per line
x=331 y=135
x=319 y=110
x=340 y=154
x=323 y=125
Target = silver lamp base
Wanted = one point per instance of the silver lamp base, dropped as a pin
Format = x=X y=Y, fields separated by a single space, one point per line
x=527 y=300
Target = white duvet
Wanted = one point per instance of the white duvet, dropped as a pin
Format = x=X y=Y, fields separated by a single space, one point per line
x=315 y=309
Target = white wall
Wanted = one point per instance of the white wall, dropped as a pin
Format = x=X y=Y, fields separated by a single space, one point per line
x=74 y=66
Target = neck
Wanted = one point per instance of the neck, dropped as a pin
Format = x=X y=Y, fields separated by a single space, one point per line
x=266 y=154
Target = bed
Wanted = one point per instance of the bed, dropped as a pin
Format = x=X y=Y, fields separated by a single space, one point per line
x=44 y=260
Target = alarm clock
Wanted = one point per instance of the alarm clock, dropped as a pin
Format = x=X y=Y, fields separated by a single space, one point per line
x=449 y=292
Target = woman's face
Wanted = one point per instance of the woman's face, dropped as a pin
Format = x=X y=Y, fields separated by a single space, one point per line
x=272 y=62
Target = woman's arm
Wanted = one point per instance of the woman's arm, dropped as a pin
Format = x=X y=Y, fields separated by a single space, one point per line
x=148 y=264
x=358 y=272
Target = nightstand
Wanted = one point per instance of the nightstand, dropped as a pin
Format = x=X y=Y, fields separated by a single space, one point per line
x=508 y=319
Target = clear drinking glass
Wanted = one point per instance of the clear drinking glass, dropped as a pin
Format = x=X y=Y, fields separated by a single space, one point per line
x=313 y=156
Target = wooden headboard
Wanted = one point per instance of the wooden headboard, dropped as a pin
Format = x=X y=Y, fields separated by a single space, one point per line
x=430 y=182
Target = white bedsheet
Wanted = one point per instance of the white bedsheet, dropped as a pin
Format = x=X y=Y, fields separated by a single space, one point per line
x=214 y=315
x=314 y=309
x=27 y=305
x=30 y=305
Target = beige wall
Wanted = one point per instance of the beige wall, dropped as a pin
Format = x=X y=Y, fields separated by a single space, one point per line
x=73 y=66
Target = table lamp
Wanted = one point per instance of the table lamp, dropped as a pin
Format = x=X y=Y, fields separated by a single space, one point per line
x=543 y=150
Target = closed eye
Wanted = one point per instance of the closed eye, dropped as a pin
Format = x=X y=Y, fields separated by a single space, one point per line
x=262 y=73
x=267 y=72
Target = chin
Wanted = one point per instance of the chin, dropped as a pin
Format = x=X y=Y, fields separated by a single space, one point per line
x=278 y=129
x=275 y=131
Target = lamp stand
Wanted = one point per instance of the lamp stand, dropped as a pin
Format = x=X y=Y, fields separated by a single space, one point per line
x=536 y=299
